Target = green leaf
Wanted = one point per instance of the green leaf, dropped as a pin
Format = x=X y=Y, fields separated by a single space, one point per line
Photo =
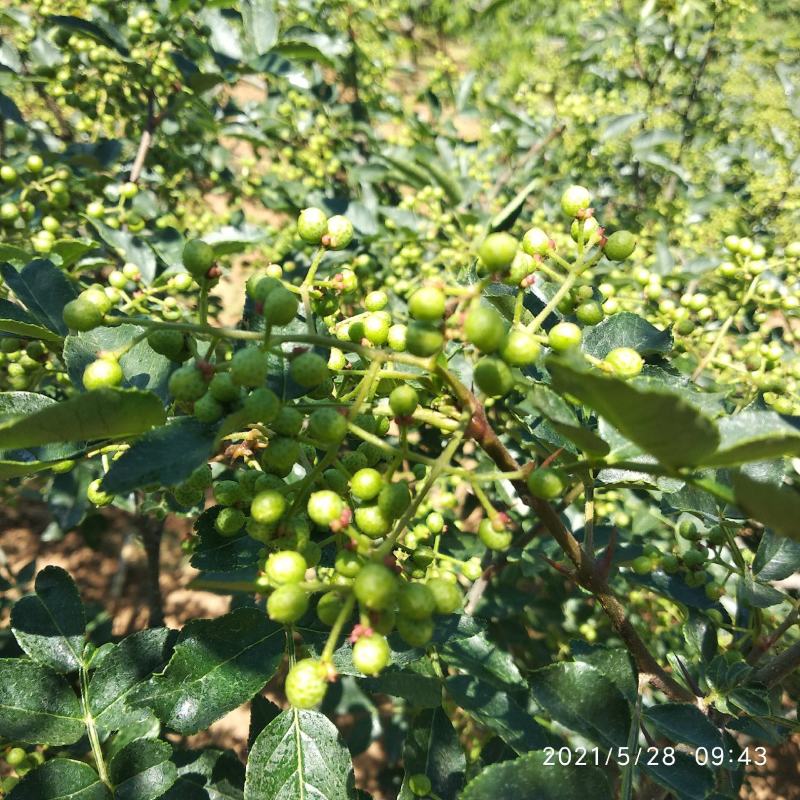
x=299 y=754
x=498 y=711
x=626 y=330
x=43 y=289
x=777 y=558
x=130 y=663
x=37 y=706
x=142 y=367
x=15 y=319
x=50 y=625
x=564 y=420
x=615 y=126
x=754 y=436
x=130 y=247
x=142 y=770
x=70 y=251
x=481 y=658
x=686 y=778
x=260 y=25
x=614 y=663
x=207 y=775
x=61 y=779
x=102 y=414
x=432 y=748
x=104 y=33
x=684 y=723
x=222 y=553
x=529 y=778
x=301 y=51
x=657 y=420
x=164 y=456
x=217 y=665
x=777 y=507
x=579 y=697
x=422 y=691
x=9 y=252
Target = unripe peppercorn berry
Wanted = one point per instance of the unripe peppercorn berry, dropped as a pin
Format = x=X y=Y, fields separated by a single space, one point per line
x=427 y=304
x=371 y=654
x=268 y=507
x=312 y=224
x=485 y=328
x=286 y=566
x=198 y=258
x=497 y=252
x=306 y=683
x=546 y=483
x=574 y=200
x=620 y=245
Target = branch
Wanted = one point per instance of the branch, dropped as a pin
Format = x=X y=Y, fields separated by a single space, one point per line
x=587 y=573
x=153 y=121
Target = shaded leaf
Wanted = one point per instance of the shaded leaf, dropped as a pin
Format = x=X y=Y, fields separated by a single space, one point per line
x=626 y=330
x=777 y=507
x=217 y=665
x=684 y=723
x=142 y=770
x=499 y=712
x=102 y=414
x=579 y=697
x=131 y=662
x=530 y=778
x=37 y=706
x=659 y=421
x=61 y=779
x=165 y=456
x=432 y=748
x=43 y=289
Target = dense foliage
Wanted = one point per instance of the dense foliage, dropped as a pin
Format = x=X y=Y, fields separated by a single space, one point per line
x=465 y=336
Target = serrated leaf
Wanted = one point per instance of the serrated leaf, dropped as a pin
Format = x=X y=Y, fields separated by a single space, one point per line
x=142 y=770
x=61 y=779
x=165 y=456
x=15 y=319
x=299 y=754
x=142 y=367
x=207 y=775
x=579 y=697
x=530 y=778
x=564 y=420
x=498 y=711
x=615 y=664
x=777 y=507
x=37 y=706
x=131 y=662
x=685 y=777
x=777 y=558
x=130 y=247
x=754 y=436
x=659 y=421
x=217 y=553
x=216 y=666
x=50 y=625
x=626 y=330
x=102 y=414
x=432 y=748
x=478 y=656
x=43 y=289
x=684 y=723
x=422 y=691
